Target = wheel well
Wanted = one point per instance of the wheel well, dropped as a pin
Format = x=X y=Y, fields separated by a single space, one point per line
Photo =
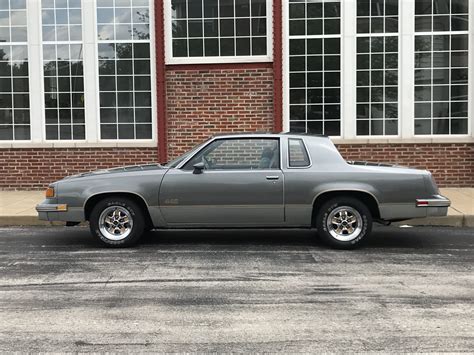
x=363 y=197
x=91 y=202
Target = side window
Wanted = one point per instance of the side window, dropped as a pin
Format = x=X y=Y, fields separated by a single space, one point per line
x=239 y=154
x=297 y=154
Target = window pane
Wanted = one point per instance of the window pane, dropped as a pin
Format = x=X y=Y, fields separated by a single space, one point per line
x=259 y=46
x=194 y=8
x=423 y=7
x=180 y=48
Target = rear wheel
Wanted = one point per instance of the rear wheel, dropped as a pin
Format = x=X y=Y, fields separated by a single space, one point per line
x=343 y=223
x=117 y=222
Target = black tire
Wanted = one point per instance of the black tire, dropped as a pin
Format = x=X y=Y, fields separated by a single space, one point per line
x=338 y=240
x=135 y=228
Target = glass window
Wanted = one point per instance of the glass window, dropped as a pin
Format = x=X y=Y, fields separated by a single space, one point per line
x=63 y=70
x=377 y=67
x=377 y=16
x=14 y=87
x=315 y=66
x=210 y=28
x=239 y=154
x=441 y=67
x=124 y=69
x=297 y=154
x=441 y=15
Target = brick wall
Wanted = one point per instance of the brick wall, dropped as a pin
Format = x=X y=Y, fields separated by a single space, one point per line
x=201 y=102
x=450 y=164
x=35 y=168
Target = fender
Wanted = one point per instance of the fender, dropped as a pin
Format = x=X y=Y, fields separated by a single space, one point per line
x=345 y=186
x=144 y=185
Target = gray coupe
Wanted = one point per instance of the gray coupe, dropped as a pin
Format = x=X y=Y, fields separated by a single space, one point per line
x=246 y=181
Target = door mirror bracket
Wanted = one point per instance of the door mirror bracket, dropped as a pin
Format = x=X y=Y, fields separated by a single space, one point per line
x=198 y=168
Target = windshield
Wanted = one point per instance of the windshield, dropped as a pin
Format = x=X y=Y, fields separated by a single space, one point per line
x=175 y=162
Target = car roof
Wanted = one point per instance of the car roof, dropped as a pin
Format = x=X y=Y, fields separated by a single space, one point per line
x=267 y=135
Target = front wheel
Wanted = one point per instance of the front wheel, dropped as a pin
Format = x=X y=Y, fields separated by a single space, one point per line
x=343 y=223
x=117 y=222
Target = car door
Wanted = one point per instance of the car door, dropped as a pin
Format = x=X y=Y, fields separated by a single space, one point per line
x=240 y=183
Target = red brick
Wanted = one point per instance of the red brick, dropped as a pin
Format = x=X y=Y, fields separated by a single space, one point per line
x=20 y=171
x=451 y=164
x=235 y=100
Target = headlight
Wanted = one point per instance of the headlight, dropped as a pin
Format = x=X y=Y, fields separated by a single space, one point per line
x=49 y=192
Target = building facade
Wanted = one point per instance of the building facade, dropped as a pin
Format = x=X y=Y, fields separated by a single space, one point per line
x=90 y=84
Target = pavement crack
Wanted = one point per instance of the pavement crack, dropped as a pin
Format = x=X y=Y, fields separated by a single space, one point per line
x=110 y=282
x=107 y=282
x=411 y=288
x=85 y=343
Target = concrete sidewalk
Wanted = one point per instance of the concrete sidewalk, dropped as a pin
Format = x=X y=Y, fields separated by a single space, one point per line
x=17 y=208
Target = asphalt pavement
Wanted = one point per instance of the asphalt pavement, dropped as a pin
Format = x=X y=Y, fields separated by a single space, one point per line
x=408 y=289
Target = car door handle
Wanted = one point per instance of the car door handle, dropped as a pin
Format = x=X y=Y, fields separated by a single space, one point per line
x=273 y=177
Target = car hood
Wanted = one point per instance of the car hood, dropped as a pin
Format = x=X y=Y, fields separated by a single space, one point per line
x=118 y=170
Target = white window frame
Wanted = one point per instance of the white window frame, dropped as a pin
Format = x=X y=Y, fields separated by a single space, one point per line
x=470 y=48
x=406 y=74
x=7 y=143
x=127 y=142
x=169 y=59
x=286 y=65
x=43 y=109
x=91 y=85
x=382 y=35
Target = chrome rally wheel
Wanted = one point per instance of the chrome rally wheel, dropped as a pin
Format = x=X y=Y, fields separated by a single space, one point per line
x=115 y=223
x=344 y=223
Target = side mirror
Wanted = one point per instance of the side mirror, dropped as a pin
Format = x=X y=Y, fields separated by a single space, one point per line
x=198 y=168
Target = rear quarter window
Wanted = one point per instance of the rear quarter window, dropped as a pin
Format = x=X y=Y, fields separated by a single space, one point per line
x=297 y=154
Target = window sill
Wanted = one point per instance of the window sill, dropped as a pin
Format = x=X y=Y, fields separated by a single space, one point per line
x=419 y=140
x=218 y=60
x=30 y=145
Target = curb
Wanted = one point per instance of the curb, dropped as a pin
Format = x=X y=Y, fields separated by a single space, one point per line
x=26 y=221
x=450 y=221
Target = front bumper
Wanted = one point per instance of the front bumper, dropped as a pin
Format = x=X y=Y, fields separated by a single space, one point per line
x=435 y=206
x=51 y=207
x=59 y=212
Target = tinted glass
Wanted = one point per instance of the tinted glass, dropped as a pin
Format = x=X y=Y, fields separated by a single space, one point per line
x=239 y=154
x=297 y=154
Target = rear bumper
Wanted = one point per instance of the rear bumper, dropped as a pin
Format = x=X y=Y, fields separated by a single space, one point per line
x=435 y=206
x=432 y=206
